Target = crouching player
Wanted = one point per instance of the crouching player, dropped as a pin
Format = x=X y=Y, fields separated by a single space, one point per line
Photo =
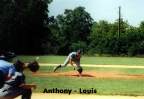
x=73 y=57
x=16 y=85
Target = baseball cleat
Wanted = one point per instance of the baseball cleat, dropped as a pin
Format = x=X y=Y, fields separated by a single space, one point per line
x=55 y=68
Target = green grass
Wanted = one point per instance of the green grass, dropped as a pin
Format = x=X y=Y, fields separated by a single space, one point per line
x=97 y=69
x=103 y=86
x=88 y=60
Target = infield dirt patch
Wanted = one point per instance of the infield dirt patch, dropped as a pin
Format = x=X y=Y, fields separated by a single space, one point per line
x=94 y=74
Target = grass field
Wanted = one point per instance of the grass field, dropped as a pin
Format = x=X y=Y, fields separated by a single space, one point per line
x=104 y=86
x=89 y=60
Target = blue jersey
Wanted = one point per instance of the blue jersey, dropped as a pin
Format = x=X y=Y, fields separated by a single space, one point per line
x=7 y=68
x=16 y=80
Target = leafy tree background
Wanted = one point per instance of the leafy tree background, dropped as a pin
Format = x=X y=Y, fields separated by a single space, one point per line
x=27 y=28
x=74 y=27
x=23 y=25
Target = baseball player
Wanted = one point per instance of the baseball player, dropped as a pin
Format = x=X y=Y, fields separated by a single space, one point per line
x=8 y=56
x=7 y=70
x=16 y=85
x=73 y=57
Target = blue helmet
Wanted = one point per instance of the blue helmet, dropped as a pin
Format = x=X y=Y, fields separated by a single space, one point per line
x=7 y=56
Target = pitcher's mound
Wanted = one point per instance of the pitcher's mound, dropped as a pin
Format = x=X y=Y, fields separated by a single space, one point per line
x=90 y=74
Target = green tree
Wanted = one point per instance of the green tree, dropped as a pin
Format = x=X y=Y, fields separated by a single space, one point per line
x=75 y=26
x=141 y=27
x=23 y=25
x=99 y=37
x=106 y=40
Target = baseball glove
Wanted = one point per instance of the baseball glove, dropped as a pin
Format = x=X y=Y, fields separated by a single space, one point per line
x=80 y=69
x=33 y=66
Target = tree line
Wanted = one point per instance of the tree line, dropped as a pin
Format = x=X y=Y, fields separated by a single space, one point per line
x=106 y=40
x=27 y=28
x=23 y=25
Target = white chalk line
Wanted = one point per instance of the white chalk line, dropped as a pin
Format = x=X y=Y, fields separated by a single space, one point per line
x=92 y=65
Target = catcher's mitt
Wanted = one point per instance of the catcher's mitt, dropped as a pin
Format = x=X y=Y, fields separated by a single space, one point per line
x=33 y=66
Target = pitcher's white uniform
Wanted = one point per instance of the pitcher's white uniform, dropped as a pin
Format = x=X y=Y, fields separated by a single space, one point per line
x=72 y=57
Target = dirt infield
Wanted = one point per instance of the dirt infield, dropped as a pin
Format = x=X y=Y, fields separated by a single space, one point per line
x=79 y=96
x=107 y=74
x=111 y=75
